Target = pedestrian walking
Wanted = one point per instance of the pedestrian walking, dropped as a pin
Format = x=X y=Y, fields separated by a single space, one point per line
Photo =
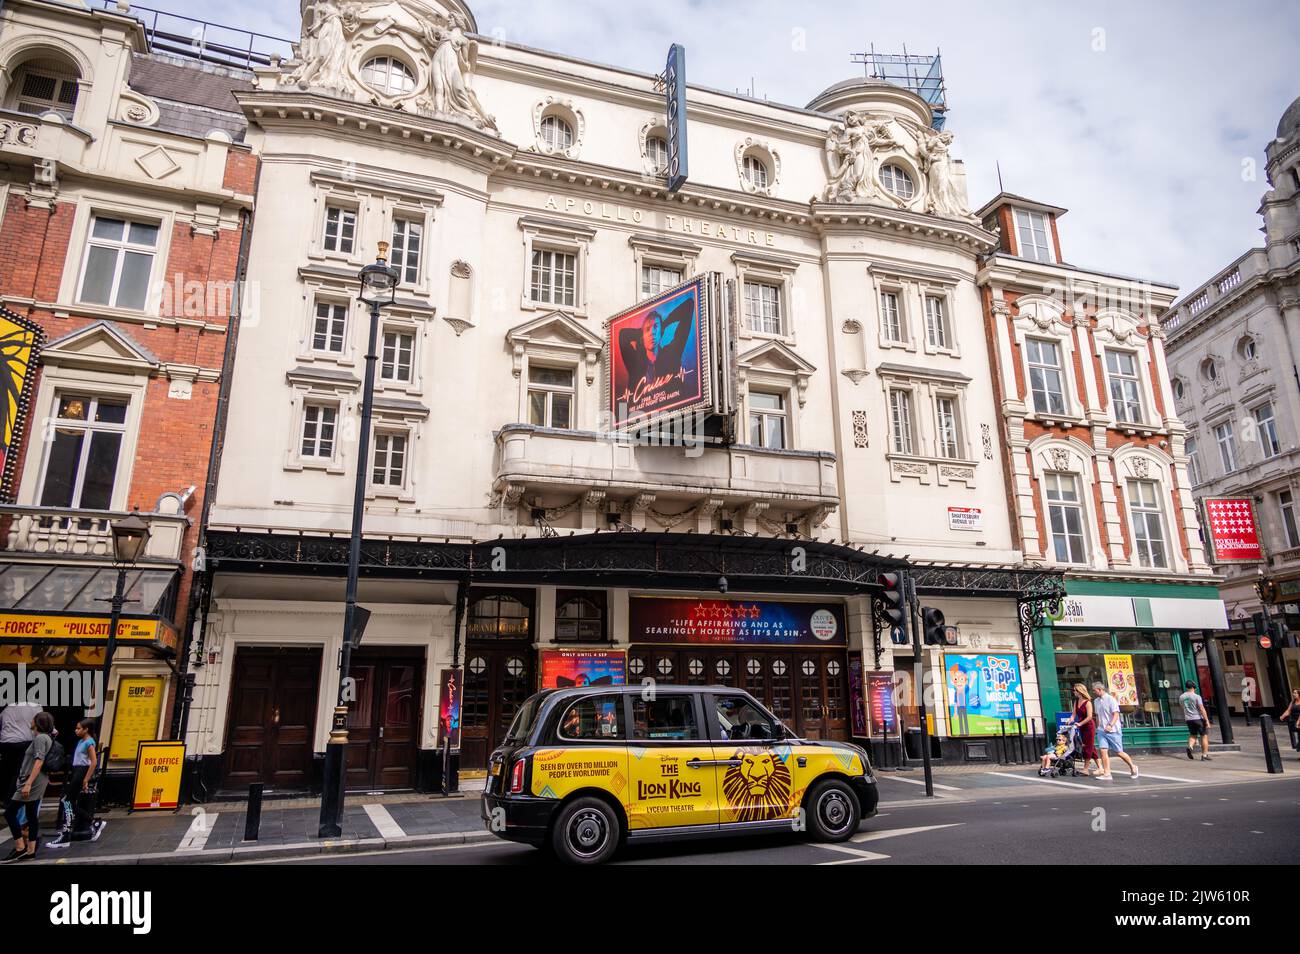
x=39 y=760
x=1085 y=721
x=1110 y=731
x=15 y=736
x=1198 y=721
x=1291 y=718
x=77 y=807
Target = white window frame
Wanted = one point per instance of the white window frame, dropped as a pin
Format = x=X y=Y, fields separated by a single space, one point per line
x=897 y=173
x=781 y=414
x=957 y=444
x=893 y=323
x=399 y=331
x=1119 y=380
x=381 y=443
x=1077 y=504
x=1059 y=368
x=1147 y=523
x=756 y=172
x=943 y=341
x=777 y=288
x=1192 y=449
x=308 y=406
x=1287 y=511
x=409 y=277
x=550 y=263
x=902 y=422
x=344 y=209
x=550 y=390
x=1269 y=444
x=648 y=289
x=552 y=129
x=121 y=247
x=392 y=65
x=1026 y=221
x=1227 y=448
x=88 y=427
x=546 y=237
x=61 y=79
x=334 y=306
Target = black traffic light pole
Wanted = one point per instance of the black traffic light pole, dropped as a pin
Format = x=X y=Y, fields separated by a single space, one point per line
x=918 y=678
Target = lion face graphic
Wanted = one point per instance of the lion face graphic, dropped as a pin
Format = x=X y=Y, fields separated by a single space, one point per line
x=758 y=788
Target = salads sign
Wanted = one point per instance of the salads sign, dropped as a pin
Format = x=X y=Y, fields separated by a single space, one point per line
x=1119 y=676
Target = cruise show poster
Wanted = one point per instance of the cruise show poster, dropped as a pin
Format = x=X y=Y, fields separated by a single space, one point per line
x=694 y=621
x=657 y=357
x=983 y=691
x=452 y=681
x=564 y=668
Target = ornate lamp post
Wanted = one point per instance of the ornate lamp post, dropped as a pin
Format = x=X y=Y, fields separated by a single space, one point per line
x=130 y=538
x=378 y=289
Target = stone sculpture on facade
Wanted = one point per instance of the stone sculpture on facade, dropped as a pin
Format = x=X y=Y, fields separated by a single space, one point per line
x=333 y=49
x=849 y=154
x=944 y=195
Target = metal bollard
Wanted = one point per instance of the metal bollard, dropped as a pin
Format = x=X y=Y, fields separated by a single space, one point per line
x=253 y=820
x=1272 y=757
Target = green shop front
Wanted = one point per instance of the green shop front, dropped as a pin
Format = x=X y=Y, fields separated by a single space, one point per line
x=1136 y=638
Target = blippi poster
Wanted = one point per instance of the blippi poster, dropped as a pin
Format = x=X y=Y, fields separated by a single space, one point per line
x=657 y=357
x=983 y=690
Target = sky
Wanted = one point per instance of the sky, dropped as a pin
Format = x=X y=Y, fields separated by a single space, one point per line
x=1147 y=120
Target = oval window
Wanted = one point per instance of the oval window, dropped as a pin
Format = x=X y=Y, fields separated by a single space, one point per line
x=388 y=75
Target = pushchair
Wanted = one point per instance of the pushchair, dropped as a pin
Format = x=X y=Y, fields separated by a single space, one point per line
x=1060 y=757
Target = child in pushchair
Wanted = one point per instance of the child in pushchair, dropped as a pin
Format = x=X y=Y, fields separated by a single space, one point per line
x=1058 y=759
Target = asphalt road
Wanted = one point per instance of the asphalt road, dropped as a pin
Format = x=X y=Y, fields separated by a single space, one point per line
x=1233 y=823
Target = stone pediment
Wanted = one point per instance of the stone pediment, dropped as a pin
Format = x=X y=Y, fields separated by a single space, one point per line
x=775 y=356
x=555 y=333
x=100 y=346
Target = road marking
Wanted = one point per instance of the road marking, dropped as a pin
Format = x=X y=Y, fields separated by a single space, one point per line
x=1047 y=781
x=858 y=854
x=196 y=836
x=917 y=781
x=894 y=832
x=343 y=855
x=384 y=822
x=1167 y=778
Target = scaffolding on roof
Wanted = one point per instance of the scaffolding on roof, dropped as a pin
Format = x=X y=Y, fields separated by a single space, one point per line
x=920 y=74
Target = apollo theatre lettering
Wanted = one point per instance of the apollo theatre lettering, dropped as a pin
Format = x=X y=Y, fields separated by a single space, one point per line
x=681 y=224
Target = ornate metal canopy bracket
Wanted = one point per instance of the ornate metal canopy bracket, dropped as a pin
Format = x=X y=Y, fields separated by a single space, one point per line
x=1034 y=607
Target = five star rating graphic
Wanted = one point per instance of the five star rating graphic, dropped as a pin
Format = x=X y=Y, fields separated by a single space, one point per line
x=1233 y=531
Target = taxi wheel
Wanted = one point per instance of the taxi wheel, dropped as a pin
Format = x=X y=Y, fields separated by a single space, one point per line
x=586 y=832
x=833 y=812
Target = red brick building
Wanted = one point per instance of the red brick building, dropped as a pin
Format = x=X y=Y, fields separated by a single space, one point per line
x=126 y=194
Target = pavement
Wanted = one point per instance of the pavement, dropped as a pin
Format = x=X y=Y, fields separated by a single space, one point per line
x=446 y=828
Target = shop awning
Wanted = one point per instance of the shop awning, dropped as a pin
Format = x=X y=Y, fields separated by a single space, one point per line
x=44 y=604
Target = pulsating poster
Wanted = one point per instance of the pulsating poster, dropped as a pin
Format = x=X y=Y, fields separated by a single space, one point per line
x=658 y=356
x=562 y=668
x=983 y=691
x=692 y=620
x=20 y=345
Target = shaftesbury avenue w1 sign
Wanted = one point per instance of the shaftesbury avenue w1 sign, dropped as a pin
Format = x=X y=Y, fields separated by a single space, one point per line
x=1232 y=530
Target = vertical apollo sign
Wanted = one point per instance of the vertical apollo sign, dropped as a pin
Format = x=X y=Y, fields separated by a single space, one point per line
x=675 y=88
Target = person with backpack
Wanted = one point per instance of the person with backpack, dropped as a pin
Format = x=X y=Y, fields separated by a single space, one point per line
x=43 y=756
x=77 y=806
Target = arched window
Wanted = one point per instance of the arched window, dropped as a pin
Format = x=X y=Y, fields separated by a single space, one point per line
x=44 y=85
x=388 y=75
x=557 y=134
x=897 y=181
x=656 y=150
x=498 y=616
x=579 y=617
x=756 y=173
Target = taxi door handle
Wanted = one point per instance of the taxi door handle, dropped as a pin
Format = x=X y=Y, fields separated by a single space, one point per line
x=701 y=763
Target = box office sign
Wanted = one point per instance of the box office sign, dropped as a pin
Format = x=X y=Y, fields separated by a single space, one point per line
x=1232 y=528
x=694 y=621
x=158 y=768
x=564 y=668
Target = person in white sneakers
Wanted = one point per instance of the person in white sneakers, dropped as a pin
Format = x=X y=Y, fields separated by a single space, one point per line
x=1198 y=721
x=1110 y=733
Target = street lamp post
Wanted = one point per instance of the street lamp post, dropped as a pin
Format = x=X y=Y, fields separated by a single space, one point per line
x=130 y=537
x=378 y=289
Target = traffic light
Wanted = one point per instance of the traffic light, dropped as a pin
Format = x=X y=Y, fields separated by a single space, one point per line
x=893 y=606
x=933 y=628
x=1260 y=622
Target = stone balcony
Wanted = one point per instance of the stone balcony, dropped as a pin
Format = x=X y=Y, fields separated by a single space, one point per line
x=579 y=478
x=28 y=138
x=55 y=533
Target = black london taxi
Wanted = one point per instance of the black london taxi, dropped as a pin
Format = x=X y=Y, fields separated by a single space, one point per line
x=582 y=770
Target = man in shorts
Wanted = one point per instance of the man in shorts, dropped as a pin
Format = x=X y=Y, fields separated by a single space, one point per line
x=1110 y=733
x=1198 y=722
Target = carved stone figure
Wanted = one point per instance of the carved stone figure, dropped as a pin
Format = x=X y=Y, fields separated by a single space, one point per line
x=324 y=49
x=452 y=71
x=849 y=154
x=944 y=196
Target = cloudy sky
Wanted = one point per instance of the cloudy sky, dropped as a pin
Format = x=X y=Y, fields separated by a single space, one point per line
x=1148 y=121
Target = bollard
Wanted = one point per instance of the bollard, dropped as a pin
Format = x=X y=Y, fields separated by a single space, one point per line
x=1272 y=757
x=253 y=820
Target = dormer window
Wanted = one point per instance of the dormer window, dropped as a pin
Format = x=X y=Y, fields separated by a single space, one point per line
x=41 y=91
x=1031 y=232
x=556 y=133
x=656 y=149
x=755 y=171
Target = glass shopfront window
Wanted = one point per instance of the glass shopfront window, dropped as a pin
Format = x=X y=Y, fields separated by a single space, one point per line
x=1150 y=656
